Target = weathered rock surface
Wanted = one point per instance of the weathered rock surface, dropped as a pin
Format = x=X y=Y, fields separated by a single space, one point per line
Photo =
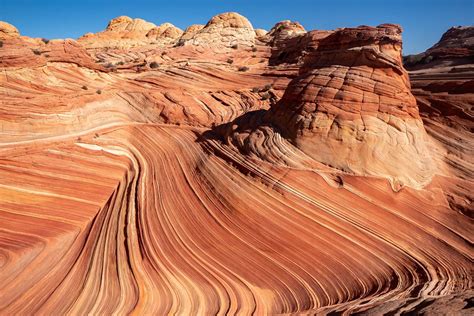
x=351 y=108
x=191 y=31
x=122 y=32
x=165 y=31
x=226 y=29
x=456 y=47
x=168 y=179
x=7 y=30
x=284 y=30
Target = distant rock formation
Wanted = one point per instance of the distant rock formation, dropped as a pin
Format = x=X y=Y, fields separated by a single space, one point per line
x=456 y=47
x=284 y=30
x=190 y=32
x=165 y=30
x=122 y=31
x=226 y=29
x=128 y=27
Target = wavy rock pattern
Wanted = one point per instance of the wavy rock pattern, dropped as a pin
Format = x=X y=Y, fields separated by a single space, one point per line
x=129 y=201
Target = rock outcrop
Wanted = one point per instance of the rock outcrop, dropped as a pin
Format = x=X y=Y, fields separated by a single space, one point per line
x=121 y=32
x=165 y=31
x=351 y=107
x=226 y=29
x=284 y=30
x=456 y=47
x=8 y=31
x=191 y=31
x=260 y=32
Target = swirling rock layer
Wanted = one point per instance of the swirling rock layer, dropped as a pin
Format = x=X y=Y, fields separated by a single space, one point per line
x=118 y=194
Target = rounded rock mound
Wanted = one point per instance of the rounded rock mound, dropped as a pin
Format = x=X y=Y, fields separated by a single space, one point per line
x=165 y=31
x=8 y=31
x=225 y=29
x=351 y=107
x=127 y=24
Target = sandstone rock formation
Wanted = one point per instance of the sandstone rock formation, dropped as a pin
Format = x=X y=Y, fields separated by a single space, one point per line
x=165 y=31
x=456 y=47
x=260 y=32
x=184 y=179
x=284 y=30
x=225 y=29
x=7 y=30
x=352 y=108
x=191 y=31
x=120 y=32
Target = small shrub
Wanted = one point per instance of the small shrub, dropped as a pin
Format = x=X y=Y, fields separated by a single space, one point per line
x=412 y=60
x=266 y=88
x=36 y=51
x=84 y=88
x=109 y=65
x=255 y=89
x=230 y=61
x=45 y=40
x=428 y=59
x=120 y=63
x=243 y=68
x=99 y=91
x=266 y=96
x=235 y=46
x=1 y=43
x=254 y=49
x=154 y=65
x=254 y=55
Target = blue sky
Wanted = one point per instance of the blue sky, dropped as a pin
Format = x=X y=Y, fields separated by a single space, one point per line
x=423 y=21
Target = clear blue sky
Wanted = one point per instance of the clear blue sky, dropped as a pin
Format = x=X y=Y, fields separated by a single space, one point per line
x=423 y=20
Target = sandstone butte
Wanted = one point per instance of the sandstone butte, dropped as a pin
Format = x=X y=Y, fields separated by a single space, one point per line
x=225 y=170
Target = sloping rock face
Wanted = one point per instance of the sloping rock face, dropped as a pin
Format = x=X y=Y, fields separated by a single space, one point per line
x=191 y=31
x=351 y=107
x=443 y=84
x=168 y=179
x=226 y=29
x=7 y=30
x=21 y=51
x=456 y=47
x=260 y=32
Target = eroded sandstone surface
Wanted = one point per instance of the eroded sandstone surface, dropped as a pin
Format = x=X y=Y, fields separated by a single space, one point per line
x=228 y=170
